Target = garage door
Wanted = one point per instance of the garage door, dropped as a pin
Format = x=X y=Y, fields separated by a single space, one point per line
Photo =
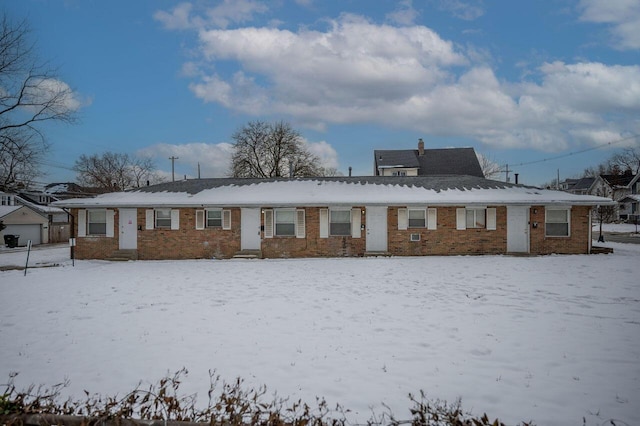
x=26 y=232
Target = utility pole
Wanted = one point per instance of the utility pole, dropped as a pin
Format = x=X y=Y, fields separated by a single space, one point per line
x=173 y=176
x=506 y=171
x=198 y=170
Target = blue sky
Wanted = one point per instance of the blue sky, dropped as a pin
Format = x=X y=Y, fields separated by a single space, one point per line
x=519 y=81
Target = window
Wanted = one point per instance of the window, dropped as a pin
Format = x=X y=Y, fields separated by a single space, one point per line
x=417 y=218
x=214 y=218
x=557 y=222
x=97 y=222
x=476 y=218
x=400 y=173
x=163 y=218
x=285 y=222
x=7 y=200
x=340 y=222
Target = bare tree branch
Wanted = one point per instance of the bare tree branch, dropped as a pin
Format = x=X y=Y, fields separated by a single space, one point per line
x=264 y=150
x=30 y=93
x=114 y=171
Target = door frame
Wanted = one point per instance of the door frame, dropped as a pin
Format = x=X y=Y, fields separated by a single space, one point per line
x=515 y=229
x=250 y=232
x=128 y=226
x=376 y=229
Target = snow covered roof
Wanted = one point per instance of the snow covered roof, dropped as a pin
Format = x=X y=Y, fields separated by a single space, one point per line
x=5 y=210
x=633 y=197
x=334 y=191
x=40 y=208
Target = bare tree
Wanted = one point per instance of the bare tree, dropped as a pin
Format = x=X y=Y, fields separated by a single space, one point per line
x=627 y=159
x=30 y=93
x=490 y=168
x=264 y=150
x=20 y=157
x=114 y=171
x=604 y=214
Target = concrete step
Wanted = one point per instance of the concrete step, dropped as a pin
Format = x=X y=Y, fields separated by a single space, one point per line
x=248 y=254
x=377 y=254
x=601 y=250
x=124 y=255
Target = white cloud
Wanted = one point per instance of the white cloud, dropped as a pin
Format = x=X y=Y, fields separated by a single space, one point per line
x=214 y=159
x=408 y=77
x=178 y=19
x=222 y=15
x=52 y=92
x=325 y=152
x=468 y=10
x=405 y=14
x=622 y=15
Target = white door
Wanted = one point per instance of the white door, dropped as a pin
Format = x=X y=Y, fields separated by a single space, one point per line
x=376 y=228
x=517 y=229
x=250 y=229
x=128 y=229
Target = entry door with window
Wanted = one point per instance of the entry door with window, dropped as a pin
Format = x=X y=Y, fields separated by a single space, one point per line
x=250 y=229
x=376 y=228
x=128 y=229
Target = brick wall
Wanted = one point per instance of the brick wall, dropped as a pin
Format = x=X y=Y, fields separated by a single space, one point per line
x=578 y=240
x=94 y=247
x=313 y=245
x=446 y=239
x=189 y=243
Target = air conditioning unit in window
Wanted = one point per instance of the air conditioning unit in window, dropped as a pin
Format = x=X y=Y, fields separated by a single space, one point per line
x=415 y=237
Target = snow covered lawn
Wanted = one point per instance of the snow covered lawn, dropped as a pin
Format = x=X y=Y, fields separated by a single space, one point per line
x=551 y=339
x=616 y=227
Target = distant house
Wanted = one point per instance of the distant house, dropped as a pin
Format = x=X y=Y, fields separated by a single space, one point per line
x=427 y=162
x=616 y=187
x=22 y=220
x=582 y=186
x=331 y=216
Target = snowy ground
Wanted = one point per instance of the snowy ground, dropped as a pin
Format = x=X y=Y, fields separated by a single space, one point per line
x=551 y=339
x=616 y=227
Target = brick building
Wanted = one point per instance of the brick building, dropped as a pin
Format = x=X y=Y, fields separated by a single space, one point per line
x=337 y=216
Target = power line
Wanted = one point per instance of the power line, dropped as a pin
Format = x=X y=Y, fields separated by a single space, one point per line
x=569 y=154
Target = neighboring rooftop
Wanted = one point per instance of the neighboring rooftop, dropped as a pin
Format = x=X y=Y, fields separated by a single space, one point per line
x=618 y=180
x=582 y=184
x=438 y=161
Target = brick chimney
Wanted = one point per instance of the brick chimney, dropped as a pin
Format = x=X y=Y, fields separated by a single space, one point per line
x=420 y=147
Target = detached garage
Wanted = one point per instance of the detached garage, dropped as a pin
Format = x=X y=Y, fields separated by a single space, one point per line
x=25 y=222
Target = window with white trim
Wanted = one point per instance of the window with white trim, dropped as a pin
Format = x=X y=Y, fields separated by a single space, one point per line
x=557 y=222
x=96 y=222
x=476 y=218
x=7 y=200
x=214 y=218
x=417 y=218
x=163 y=218
x=340 y=222
x=285 y=222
